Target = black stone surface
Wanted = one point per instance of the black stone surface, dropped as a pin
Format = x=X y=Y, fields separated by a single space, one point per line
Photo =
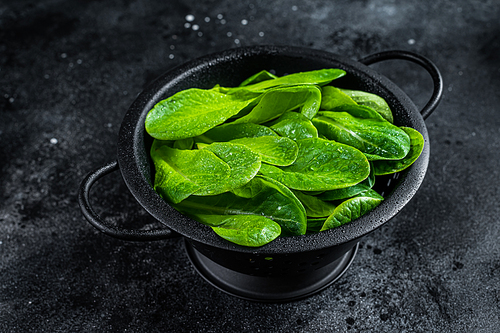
x=70 y=69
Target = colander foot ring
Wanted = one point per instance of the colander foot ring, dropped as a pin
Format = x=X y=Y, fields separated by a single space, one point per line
x=269 y=289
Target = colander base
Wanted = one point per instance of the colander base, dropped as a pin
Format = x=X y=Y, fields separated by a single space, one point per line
x=269 y=288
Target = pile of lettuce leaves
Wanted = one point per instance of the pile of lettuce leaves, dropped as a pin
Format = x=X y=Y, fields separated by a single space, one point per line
x=276 y=156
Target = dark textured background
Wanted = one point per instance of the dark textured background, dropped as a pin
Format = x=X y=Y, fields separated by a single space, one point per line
x=70 y=69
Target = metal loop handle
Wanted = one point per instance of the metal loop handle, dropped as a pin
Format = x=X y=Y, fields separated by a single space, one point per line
x=96 y=221
x=420 y=60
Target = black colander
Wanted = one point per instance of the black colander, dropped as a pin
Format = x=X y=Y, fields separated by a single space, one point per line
x=288 y=268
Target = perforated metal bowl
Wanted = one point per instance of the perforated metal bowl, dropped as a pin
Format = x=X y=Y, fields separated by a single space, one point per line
x=288 y=268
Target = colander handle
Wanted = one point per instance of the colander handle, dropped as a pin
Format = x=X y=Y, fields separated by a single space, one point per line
x=420 y=60
x=96 y=221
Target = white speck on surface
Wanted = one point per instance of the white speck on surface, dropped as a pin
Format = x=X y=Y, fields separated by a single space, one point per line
x=11 y=99
x=189 y=18
x=53 y=141
x=411 y=41
x=172 y=47
x=109 y=125
x=79 y=61
x=46 y=76
x=220 y=16
x=450 y=87
x=236 y=41
x=200 y=33
x=261 y=34
x=170 y=56
x=207 y=19
x=222 y=21
x=244 y=22
x=294 y=8
x=460 y=73
x=64 y=55
x=229 y=34
x=196 y=27
x=187 y=25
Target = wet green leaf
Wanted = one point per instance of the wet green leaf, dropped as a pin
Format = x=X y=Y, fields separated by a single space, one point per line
x=180 y=173
x=192 y=112
x=332 y=97
x=352 y=209
x=317 y=77
x=231 y=131
x=373 y=101
x=376 y=138
x=242 y=161
x=274 y=150
x=261 y=196
x=416 y=147
x=314 y=206
x=321 y=165
x=248 y=230
x=259 y=77
x=295 y=126
x=275 y=102
x=351 y=191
